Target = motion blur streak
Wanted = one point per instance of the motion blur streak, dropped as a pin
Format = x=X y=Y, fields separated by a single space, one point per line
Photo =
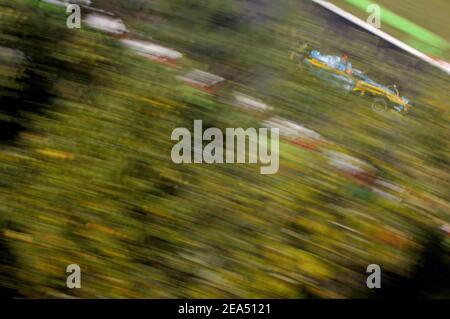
x=86 y=176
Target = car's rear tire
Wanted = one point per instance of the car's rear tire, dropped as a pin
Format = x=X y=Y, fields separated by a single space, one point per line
x=379 y=105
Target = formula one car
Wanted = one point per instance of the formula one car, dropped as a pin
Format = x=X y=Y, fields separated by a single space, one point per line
x=339 y=71
x=384 y=96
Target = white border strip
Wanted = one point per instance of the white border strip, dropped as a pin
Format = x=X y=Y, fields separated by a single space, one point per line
x=350 y=17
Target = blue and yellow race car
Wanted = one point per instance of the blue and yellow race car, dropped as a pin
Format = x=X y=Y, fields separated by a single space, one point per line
x=338 y=70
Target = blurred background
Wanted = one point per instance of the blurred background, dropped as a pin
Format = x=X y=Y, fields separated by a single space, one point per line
x=86 y=177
